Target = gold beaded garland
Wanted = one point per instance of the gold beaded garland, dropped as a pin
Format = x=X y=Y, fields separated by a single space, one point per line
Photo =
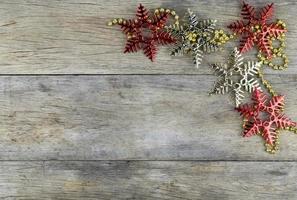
x=277 y=52
x=220 y=37
x=266 y=83
x=172 y=13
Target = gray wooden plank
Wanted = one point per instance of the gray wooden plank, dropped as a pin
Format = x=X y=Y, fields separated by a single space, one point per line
x=71 y=36
x=129 y=117
x=148 y=180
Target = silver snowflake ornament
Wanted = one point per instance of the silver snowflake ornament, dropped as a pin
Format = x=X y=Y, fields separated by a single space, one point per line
x=236 y=77
x=196 y=37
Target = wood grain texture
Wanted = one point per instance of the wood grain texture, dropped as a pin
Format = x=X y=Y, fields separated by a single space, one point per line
x=111 y=133
x=148 y=180
x=129 y=117
x=71 y=36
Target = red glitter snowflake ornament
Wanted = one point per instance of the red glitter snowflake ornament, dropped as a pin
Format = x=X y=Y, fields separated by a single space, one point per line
x=255 y=29
x=269 y=126
x=145 y=32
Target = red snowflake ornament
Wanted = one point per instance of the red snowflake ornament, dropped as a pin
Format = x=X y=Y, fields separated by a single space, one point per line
x=268 y=126
x=256 y=30
x=146 y=32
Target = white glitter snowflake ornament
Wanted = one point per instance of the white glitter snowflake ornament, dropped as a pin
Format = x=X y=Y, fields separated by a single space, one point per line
x=236 y=77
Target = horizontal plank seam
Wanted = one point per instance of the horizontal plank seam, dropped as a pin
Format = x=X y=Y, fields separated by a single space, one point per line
x=184 y=160
x=35 y=75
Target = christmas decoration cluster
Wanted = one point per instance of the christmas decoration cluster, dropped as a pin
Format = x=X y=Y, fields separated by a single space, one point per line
x=194 y=37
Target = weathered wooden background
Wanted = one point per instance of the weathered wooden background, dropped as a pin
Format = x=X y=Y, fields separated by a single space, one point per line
x=80 y=120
